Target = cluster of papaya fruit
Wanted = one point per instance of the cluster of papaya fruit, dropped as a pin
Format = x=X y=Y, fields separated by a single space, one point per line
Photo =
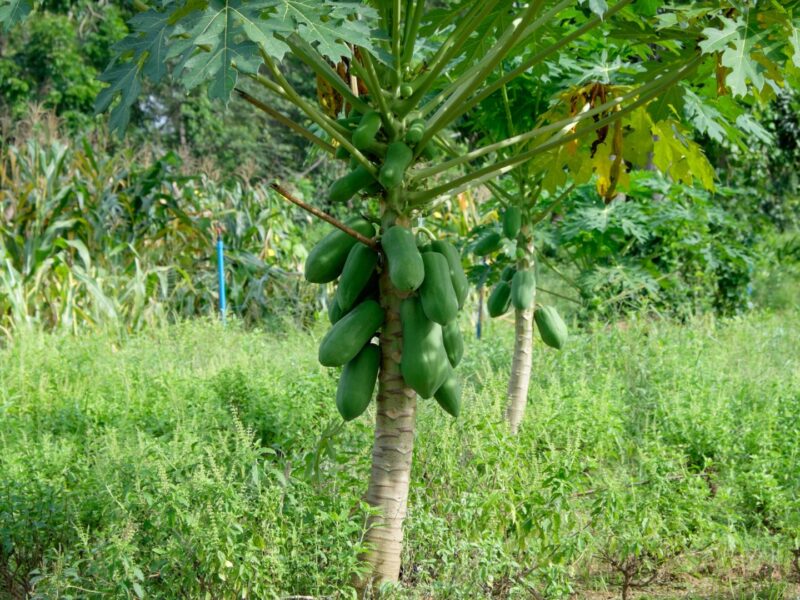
x=366 y=134
x=355 y=313
x=518 y=287
x=434 y=287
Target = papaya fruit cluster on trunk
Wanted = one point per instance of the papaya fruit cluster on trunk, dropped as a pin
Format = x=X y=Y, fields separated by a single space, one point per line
x=431 y=281
x=517 y=288
x=435 y=287
x=355 y=313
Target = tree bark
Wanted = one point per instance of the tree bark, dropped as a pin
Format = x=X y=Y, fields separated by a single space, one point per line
x=519 y=381
x=392 y=449
x=520 y=378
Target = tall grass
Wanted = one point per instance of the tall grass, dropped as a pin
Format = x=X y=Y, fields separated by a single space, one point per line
x=200 y=461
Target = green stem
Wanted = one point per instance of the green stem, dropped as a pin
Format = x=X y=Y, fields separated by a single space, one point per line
x=468 y=85
x=397 y=42
x=555 y=270
x=268 y=84
x=410 y=39
x=541 y=56
x=427 y=232
x=374 y=83
x=316 y=116
x=658 y=83
x=311 y=57
x=286 y=121
x=542 y=20
x=493 y=187
x=447 y=50
x=539 y=217
x=556 y=294
x=507 y=107
x=479 y=176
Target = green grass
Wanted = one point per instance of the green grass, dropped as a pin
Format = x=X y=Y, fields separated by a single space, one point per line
x=196 y=461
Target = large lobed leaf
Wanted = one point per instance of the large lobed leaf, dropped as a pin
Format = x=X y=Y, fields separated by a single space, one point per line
x=213 y=41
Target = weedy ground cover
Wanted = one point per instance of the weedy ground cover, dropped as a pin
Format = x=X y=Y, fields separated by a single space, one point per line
x=655 y=460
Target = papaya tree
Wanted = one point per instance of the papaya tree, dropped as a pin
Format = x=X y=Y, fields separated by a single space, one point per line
x=654 y=135
x=396 y=76
x=529 y=194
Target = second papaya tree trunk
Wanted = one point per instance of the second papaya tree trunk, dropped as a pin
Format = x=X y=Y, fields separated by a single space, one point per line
x=393 y=447
x=519 y=381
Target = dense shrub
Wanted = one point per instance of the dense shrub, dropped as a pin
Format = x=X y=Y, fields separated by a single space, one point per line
x=200 y=460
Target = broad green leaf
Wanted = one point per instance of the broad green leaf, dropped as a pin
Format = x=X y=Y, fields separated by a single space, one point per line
x=13 y=11
x=705 y=118
x=740 y=44
x=646 y=8
x=325 y=25
x=216 y=52
x=214 y=40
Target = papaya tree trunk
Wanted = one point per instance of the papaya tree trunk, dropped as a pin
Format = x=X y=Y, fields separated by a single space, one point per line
x=521 y=363
x=392 y=449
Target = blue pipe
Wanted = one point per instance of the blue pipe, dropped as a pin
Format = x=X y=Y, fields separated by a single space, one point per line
x=221 y=275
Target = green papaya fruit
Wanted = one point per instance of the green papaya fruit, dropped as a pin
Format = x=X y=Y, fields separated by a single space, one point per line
x=430 y=151
x=367 y=129
x=523 y=289
x=347 y=186
x=551 y=327
x=370 y=292
x=406 y=269
x=350 y=333
x=357 y=382
x=508 y=273
x=453 y=343
x=334 y=311
x=488 y=243
x=415 y=131
x=424 y=364
x=356 y=274
x=512 y=221
x=436 y=292
x=499 y=300
x=326 y=260
x=397 y=160
x=457 y=275
x=449 y=395
x=342 y=153
x=406 y=90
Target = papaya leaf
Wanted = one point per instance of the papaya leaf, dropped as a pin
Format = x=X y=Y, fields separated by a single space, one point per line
x=215 y=40
x=740 y=43
x=705 y=118
x=13 y=11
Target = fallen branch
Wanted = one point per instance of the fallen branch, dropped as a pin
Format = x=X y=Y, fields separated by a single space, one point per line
x=325 y=217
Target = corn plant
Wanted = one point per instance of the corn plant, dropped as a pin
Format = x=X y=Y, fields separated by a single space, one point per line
x=88 y=239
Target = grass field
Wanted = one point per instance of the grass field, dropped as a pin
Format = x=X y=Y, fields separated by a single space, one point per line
x=202 y=462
